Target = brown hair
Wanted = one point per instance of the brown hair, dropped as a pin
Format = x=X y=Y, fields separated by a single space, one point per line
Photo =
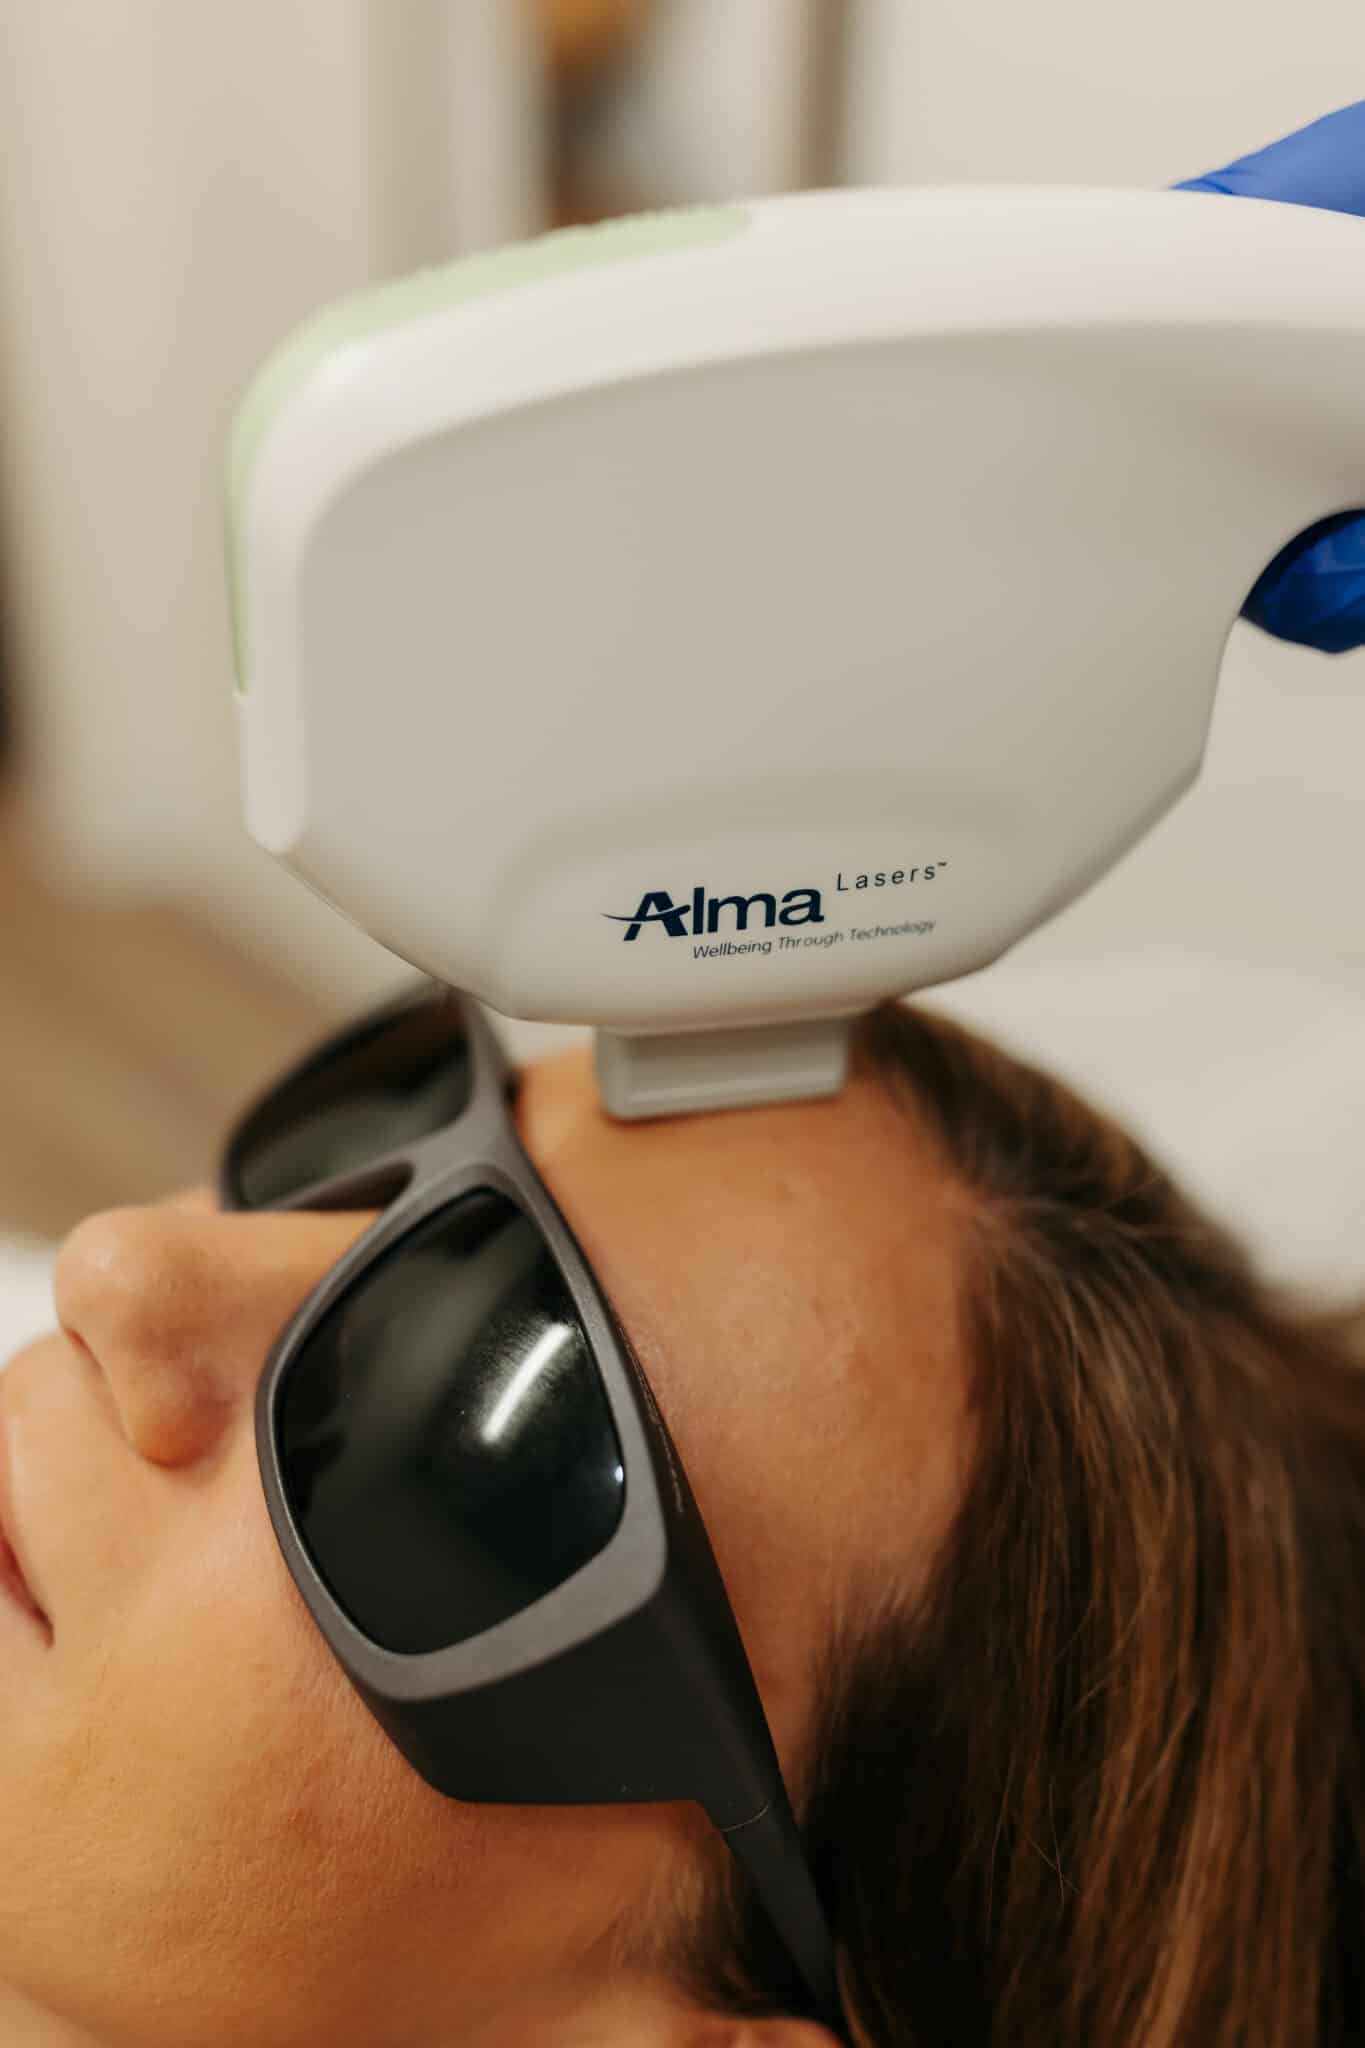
x=1103 y=1781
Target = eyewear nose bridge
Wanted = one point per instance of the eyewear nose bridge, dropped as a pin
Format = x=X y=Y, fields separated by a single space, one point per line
x=348 y=1124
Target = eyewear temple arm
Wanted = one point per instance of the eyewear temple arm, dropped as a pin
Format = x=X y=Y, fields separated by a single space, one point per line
x=770 y=1851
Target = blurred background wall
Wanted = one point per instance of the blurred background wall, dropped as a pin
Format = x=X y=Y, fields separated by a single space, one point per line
x=181 y=182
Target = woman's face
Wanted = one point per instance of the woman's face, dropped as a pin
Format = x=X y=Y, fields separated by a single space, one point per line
x=204 y=1837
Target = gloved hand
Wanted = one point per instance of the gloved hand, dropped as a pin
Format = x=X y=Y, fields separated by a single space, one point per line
x=1314 y=590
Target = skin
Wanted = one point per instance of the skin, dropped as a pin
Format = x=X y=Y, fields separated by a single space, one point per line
x=206 y=1839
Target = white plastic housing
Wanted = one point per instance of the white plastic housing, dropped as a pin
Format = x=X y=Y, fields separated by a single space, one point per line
x=733 y=618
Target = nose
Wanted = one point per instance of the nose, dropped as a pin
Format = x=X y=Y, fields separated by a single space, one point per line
x=179 y=1310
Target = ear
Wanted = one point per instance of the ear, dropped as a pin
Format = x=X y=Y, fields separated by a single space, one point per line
x=644 y=2012
x=724 y=2033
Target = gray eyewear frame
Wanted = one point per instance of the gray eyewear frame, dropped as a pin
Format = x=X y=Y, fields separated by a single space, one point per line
x=628 y=1681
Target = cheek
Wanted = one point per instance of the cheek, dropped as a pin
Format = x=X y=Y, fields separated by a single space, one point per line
x=209 y=1802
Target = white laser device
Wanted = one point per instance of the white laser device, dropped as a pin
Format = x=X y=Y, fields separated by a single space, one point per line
x=706 y=625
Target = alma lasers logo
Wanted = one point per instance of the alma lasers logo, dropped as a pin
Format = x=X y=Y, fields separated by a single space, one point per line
x=698 y=914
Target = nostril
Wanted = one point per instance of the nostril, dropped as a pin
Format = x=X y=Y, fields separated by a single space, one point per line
x=138 y=1295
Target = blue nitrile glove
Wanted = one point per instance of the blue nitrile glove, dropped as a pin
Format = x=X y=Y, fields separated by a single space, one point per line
x=1314 y=590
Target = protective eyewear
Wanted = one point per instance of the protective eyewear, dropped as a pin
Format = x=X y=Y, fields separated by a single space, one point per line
x=469 y=1477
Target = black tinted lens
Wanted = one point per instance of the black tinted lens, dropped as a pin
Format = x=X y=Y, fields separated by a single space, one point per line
x=396 y=1081
x=447 y=1447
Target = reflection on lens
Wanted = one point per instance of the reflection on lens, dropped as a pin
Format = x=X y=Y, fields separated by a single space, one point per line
x=393 y=1084
x=448 y=1450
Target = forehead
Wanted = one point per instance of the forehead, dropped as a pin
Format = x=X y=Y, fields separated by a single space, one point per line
x=789 y=1277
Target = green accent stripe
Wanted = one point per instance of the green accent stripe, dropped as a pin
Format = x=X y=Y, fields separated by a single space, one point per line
x=416 y=297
